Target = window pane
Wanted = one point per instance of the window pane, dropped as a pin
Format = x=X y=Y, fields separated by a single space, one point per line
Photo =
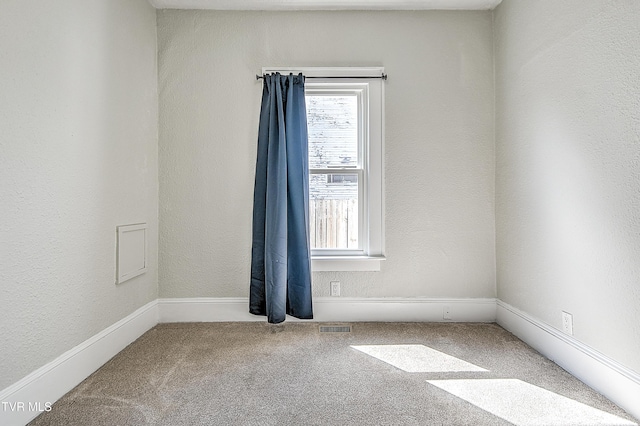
x=333 y=131
x=333 y=211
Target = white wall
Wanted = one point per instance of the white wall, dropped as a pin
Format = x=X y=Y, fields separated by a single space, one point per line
x=568 y=167
x=78 y=156
x=439 y=144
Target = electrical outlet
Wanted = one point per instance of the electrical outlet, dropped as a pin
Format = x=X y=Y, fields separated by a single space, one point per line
x=446 y=312
x=335 y=288
x=567 y=323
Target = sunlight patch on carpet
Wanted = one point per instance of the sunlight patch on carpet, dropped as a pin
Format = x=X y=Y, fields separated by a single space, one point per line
x=522 y=403
x=417 y=358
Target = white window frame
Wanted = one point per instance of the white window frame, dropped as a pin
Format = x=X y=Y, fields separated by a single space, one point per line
x=360 y=91
x=371 y=205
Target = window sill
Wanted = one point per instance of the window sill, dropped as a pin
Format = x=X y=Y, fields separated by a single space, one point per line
x=346 y=263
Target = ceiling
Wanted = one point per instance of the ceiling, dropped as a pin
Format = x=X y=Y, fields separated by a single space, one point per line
x=327 y=4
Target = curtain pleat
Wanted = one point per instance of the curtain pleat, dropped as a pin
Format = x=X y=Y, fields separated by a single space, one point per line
x=280 y=255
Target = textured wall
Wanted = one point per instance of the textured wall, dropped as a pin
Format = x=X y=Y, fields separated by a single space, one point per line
x=78 y=156
x=568 y=167
x=439 y=144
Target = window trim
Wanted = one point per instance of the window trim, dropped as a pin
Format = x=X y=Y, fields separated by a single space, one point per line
x=371 y=256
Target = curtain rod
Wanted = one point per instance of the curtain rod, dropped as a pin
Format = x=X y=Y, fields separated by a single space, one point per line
x=383 y=77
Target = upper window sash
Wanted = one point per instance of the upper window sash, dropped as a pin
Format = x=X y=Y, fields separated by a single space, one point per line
x=360 y=91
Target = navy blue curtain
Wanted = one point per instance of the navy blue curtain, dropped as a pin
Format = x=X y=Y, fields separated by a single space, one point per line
x=280 y=256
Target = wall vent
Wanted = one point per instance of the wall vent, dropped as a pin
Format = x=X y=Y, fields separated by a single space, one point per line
x=335 y=329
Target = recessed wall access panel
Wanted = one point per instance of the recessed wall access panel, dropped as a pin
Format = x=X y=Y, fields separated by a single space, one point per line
x=131 y=252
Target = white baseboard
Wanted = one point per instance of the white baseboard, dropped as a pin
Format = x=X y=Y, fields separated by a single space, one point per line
x=334 y=309
x=613 y=380
x=51 y=381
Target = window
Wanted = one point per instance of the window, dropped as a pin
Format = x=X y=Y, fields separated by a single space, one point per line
x=336 y=169
x=345 y=122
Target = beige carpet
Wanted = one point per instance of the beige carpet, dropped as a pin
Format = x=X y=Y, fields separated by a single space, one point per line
x=291 y=374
